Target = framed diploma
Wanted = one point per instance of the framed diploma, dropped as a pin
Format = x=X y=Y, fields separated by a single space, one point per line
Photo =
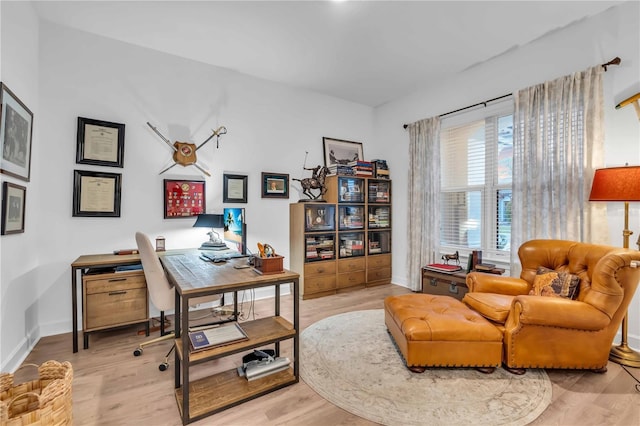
x=16 y=126
x=96 y=194
x=183 y=198
x=234 y=189
x=13 y=204
x=100 y=143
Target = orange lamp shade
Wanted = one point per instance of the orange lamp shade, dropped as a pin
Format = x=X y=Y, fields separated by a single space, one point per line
x=616 y=184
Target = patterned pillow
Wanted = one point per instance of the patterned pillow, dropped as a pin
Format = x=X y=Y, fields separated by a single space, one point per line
x=555 y=284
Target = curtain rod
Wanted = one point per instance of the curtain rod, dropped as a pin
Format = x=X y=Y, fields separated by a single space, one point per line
x=614 y=61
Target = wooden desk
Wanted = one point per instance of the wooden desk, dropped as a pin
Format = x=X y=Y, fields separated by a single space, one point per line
x=83 y=264
x=193 y=277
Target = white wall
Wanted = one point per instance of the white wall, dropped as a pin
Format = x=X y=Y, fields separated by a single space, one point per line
x=270 y=127
x=19 y=257
x=586 y=43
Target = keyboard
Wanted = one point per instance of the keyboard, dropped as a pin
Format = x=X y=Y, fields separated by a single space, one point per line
x=221 y=257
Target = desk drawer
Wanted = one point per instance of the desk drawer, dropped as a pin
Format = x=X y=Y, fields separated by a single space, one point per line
x=102 y=283
x=117 y=307
x=320 y=268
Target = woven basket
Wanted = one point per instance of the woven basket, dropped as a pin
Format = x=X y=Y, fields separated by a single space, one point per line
x=45 y=401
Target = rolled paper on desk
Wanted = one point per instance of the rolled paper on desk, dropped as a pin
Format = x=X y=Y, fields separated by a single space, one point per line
x=128 y=251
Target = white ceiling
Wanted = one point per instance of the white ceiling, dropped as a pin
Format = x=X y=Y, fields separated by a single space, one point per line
x=369 y=52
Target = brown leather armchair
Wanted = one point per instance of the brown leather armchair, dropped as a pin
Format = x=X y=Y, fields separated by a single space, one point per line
x=558 y=332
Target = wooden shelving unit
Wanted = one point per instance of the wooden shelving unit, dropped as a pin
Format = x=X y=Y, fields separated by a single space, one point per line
x=361 y=236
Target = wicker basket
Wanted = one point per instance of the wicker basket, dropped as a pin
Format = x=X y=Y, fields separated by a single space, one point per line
x=45 y=401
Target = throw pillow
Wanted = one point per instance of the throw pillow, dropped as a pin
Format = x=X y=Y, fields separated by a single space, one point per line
x=555 y=284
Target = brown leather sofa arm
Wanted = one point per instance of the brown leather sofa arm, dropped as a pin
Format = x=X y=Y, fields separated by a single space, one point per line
x=492 y=283
x=558 y=312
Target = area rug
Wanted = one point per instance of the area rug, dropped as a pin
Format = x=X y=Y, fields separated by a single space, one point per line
x=351 y=361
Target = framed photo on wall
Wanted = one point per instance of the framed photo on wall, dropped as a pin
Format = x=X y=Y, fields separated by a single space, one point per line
x=275 y=185
x=234 y=188
x=100 y=143
x=16 y=127
x=183 y=198
x=96 y=194
x=337 y=151
x=13 y=206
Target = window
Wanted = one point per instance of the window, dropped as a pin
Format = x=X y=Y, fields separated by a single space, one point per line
x=476 y=163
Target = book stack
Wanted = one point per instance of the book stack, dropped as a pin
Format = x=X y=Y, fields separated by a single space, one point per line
x=374 y=247
x=489 y=268
x=381 y=169
x=341 y=169
x=216 y=335
x=351 y=247
x=443 y=268
x=379 y=218
x=362 y=168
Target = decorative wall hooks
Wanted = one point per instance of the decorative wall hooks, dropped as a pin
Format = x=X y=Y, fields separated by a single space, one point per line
x=184 y=153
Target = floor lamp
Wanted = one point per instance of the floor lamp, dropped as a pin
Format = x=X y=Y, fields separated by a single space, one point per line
x=619 y=184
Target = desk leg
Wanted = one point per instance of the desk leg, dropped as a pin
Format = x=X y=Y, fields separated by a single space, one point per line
x=296 y=327
x=74 y=308
x=177 y=331
x=186 y=364
x=277 y=313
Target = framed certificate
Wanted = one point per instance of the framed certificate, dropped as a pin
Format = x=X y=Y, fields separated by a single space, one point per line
x=234 y=189
x=100 y=143
x=96 y=194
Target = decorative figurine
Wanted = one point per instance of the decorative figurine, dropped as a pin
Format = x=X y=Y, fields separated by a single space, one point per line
x=447 y=257
x=316 y=181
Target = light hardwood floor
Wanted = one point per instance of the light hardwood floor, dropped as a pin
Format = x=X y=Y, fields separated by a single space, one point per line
x=112 y=387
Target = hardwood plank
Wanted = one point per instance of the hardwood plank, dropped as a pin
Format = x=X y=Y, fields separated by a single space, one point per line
x=112 y=387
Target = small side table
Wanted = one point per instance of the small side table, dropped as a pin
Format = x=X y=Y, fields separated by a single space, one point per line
x=439 y=283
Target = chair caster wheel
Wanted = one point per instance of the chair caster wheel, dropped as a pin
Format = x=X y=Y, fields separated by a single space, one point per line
x=164 y=366
x=137 y=352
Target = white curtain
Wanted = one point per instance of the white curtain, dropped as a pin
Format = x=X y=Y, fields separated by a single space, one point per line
x=558 y=143
x=423 y=230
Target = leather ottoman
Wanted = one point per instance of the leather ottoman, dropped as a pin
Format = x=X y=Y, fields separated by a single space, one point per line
x=440 y=331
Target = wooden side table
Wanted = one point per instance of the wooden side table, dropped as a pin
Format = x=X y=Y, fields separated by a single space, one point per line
x=439 y=283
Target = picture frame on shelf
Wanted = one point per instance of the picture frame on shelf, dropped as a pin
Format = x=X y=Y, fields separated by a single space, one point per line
x=16 y=130
x=275 y=185
x=13 y=208
x=96 y=194
x=338 y=151
x=234 y=188
x=184 y=198
x=100 y=143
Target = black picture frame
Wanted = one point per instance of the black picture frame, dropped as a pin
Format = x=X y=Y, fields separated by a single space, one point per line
x=341 y=152
x=13 y=208
x=234 y=188
x=275 y=185
x=96 y=194
x=16 y=130
x=100 y=143
x=184 y=198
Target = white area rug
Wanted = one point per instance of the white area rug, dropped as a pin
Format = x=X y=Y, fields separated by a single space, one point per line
x=351 y=361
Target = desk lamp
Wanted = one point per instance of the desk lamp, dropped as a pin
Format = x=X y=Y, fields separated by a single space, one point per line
x=619 y=184
x=211 y=221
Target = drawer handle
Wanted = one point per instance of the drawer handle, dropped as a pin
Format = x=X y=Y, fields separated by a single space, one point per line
x=115 y=293
x=433 y=282
x=320 y=270
x=113 y=280
x=453 y=288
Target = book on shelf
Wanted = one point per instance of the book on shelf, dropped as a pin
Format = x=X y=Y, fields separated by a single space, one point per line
x=212 y=336
x=485 y=266
x=443 y=267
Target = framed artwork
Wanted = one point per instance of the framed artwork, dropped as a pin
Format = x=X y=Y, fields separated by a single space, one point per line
x=234 y=189
x=183 y=198
x=96 y=194
x=13 y=205
x=100 y=143
x=275 y=185
x=337 y=151
x=16 y=127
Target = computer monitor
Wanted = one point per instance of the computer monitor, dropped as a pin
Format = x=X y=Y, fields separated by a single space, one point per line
x=235 y=229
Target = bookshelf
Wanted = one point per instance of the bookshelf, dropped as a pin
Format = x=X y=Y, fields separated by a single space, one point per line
x=360 y=239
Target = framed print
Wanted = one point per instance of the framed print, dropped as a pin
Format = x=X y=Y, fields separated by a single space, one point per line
x=96 y=194
x=16 y=126
x=337 y=151
x=183 y=198
x=234 y=189
x=275 y=185
x=13 y=204
x=100 y=142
